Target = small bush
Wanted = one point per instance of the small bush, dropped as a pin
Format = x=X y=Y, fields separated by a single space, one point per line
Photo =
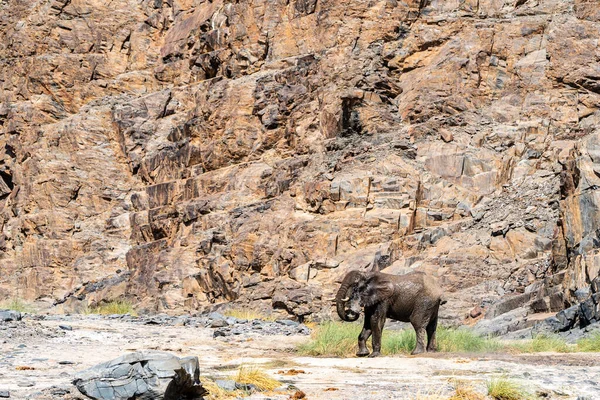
x=591 y=343
x=542 y=343
x=505 y=389
x=112 y=307
x=17 y=304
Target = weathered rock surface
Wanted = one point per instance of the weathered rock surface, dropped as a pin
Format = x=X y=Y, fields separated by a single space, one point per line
x=192 y=152
x=9 y=315
x=146 y=374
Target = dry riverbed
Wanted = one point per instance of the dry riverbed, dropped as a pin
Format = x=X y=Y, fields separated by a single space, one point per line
x=39 y=357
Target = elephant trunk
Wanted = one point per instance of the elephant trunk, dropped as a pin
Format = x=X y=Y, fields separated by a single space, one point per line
x=341 y=297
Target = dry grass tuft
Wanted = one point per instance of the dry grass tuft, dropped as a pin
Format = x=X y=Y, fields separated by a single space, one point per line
x=464 y=391
x=215 y=392
x=248 y=314
x=247 y=376
x=291 y=372
x=505 y=389
x=431 y=395
x=257 y=377
x=24 y=368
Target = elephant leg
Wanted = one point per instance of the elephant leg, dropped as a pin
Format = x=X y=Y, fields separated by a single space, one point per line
x=431 y=329
x=364 y=336
x=419 y=322
x=377 y=323
x=424 y=320
x=421 y=335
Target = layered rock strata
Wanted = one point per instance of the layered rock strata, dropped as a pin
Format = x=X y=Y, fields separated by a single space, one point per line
x=191 y=152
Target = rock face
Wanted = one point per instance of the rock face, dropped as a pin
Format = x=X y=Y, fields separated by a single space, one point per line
x=191 y=152
x=147 y=375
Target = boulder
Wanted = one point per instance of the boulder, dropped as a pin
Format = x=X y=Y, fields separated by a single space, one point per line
x=567 y=318
x=150 y=375
x=9 y=315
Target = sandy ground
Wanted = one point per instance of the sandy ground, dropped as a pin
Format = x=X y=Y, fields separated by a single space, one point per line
x=56 y=354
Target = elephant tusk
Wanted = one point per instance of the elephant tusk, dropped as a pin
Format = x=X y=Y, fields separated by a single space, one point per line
x=346 y=299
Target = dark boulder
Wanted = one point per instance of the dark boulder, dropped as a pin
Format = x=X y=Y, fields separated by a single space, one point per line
x=567 y=318
x=149 y=375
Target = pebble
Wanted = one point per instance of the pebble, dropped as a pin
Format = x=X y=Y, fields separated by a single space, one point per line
x=66 y=327
x=215 y=315
x=287 y=322
x=4 y=394
x=218 y=323
x=224 y=384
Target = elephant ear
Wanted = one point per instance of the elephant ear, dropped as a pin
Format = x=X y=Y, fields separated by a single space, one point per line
x=379 y=290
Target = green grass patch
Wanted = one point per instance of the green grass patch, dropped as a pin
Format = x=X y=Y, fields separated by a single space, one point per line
x=543 y=343
x=397 y=342
x=506 y=389
x=112 y=307
x=464 y=340
x=590 y=344
x=17 y=304
x=332 y=339
x=339 y=339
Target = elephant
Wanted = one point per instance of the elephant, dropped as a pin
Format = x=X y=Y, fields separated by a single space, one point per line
x=414 y=297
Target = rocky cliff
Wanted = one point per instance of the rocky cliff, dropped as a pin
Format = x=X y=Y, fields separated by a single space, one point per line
x=185 y=153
